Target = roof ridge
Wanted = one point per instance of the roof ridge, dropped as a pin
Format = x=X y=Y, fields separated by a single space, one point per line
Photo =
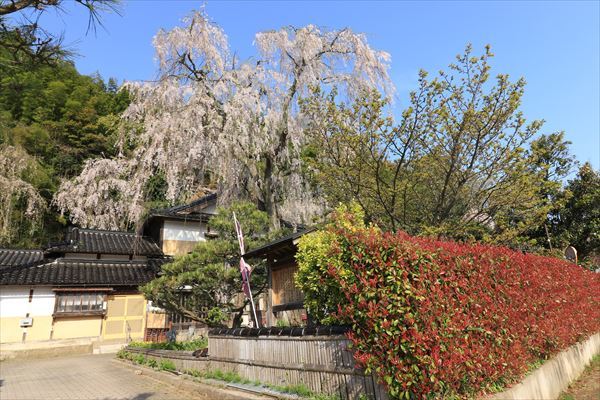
x=105 y=231
x=1 y=249
x=96 y=261
x=193 y=203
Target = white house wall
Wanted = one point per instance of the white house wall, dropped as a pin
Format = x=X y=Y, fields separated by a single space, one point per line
x=15 y=306
x=180 y=237
x=184 y=231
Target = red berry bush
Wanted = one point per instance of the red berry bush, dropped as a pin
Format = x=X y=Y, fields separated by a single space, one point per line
x=434 y=318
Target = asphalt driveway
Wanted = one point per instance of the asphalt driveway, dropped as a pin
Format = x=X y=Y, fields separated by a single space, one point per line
x=94 y=377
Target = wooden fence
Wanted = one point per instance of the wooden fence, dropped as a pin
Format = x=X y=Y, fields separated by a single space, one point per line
x=322 y=363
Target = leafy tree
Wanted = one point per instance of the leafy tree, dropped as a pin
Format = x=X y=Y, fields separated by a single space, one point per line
x=22 y=207
x=212 y=120
x=205 y=285
x=577 y=223
x=59 y=118
x=27 y=43
x=322 y=295
x=550 y=161
x=456 y=163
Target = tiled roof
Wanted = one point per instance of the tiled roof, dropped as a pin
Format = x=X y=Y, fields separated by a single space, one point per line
x=9 y=257
x=282 y=244
x=190 y=211
x=105 y=242
x=67 y=272
x=191 y=207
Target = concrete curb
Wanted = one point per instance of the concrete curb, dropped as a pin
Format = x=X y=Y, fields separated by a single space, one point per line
x=46 y=352
x=555 y=375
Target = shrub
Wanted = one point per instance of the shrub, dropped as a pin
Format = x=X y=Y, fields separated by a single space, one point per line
x=139 y=359
x=300 y=390
x=123 y=354
x=196 y=344
x=167 y=365
x=216 y=316
x=152 y=363
x=315 y=257
x=435 y=318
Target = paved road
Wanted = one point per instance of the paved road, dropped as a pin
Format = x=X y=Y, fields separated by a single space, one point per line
x=92 y=377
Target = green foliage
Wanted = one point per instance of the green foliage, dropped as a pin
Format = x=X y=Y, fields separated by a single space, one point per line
x=282 y=323
x=315 y=259
x=567 y=396
x=461 y=161
x=123 y=354
x=152 y=363
x=24 y=41
x=578 y=222
x=233 y=377
x=300 y=390
x=216 y=316
x=60 y=118
x=191 y=345
x=22 y=207
x=226 y=376
x=167 y=365
x=139 y=359
x=211 y=271
x=439 y=319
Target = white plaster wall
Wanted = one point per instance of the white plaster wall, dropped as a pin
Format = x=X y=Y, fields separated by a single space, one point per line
x=184 y=231
x=14 y=301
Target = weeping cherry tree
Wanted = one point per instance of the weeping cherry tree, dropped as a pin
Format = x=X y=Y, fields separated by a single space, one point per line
x=211 y=120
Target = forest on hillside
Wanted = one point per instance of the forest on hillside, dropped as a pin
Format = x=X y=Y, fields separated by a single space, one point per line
x=52 y=119
x=306 y=127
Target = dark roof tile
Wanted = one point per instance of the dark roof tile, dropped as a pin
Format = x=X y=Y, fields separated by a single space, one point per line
x=282 y=242
x=106 y=242
x=63 y=272
x=194 y=211
x=10 y=258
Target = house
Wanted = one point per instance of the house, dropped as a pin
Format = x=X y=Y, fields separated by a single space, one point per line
x=284 y=301
x=83 y=288
x=178 y=229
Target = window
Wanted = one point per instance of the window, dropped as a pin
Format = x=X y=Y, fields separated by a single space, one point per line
x=79 y=303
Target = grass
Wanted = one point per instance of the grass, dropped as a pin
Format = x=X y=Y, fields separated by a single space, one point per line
x=595 y=363
x=225 y=376
x=229 y=377
x=152 y=363
x=164 y=365
x=191 y=345
x=300 y=390
x=167 y=365
x=232 y=377
x=566 y=396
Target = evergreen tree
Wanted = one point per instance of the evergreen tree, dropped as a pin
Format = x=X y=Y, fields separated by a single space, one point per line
x=58 y=118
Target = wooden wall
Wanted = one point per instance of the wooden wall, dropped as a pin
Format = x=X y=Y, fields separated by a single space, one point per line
x=322 y=363
x=284 y=288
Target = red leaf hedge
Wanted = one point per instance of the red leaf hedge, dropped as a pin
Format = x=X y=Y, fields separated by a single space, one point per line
x=436 y=318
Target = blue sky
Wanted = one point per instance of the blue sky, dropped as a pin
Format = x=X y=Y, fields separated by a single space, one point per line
x=554 y=45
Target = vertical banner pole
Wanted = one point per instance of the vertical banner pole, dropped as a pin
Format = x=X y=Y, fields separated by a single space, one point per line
x=245 y=270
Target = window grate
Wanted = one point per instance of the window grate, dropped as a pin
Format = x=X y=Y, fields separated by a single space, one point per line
x=79 y=303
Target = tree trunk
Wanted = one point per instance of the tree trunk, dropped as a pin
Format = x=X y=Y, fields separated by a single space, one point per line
x=269 y=194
